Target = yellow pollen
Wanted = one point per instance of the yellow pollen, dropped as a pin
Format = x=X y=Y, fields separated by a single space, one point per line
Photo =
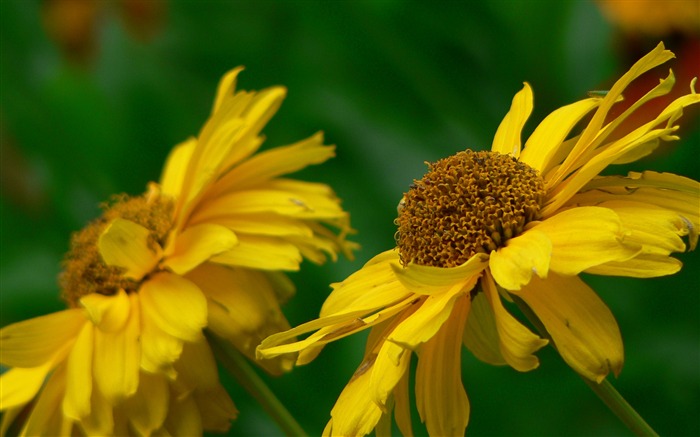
x=84 y=270
x=468 y=203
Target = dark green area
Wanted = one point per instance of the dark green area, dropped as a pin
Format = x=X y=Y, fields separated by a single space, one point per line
x=392 y=84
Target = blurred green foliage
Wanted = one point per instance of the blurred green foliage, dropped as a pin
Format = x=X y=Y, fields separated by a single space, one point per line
x=392 y=84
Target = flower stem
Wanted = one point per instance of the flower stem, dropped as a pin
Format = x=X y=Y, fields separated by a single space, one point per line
x=605 y=390
x=236 y=364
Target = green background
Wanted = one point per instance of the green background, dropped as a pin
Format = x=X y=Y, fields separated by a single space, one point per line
x=392 y=84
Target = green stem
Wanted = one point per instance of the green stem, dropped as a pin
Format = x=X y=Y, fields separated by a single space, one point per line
x=236 y=364
x=605 y=390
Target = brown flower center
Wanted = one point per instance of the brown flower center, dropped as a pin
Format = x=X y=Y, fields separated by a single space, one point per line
x=468 y=203
x=84 y=270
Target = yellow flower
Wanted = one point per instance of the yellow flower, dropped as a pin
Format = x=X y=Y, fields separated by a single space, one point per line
x=513 y=223
x=652 y=17
x=204 y=248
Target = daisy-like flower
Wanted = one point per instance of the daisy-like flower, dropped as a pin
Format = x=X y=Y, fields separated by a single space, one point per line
x=204 y=248
x=481 y=228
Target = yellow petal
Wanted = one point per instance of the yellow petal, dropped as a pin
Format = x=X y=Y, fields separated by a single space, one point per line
x=354 y=413
x=402 y=408
x=33 y=342
x=108 y=313
x=196 y=368
x=581 y=325
x=148 y=408
x=517 y=343
x=265 y=253
x=353 y=293
x=275 y=162
x=197 y=244
x=216 y=409
x=159 y=350
x=386 y=372
x=429 y=280
x=265 y=224
x=242 y=307
x=585 y=237
x=641 y=266
x=101 y=418
x=440 y=397
x=512 y=266
x=226 y=87
x=542 y=148
x=425 y=322
x=20 y=385
x=183 y=418
x=176 y=168
x=125 y=244
x=117 y=356
x=175 y=305
x=480 y=333
x=46 y=417
x=507 y=139
x=76 y=402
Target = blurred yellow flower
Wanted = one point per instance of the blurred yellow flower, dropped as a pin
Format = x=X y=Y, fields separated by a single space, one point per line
x=514 y=222
x=653 y=17
x=204 y=248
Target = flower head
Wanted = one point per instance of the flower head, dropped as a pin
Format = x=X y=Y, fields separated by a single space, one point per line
x=204 y=248
x=481 y=228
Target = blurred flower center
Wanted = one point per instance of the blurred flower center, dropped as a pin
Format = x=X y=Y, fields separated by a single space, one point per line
x=84 y=269
x=468 y=203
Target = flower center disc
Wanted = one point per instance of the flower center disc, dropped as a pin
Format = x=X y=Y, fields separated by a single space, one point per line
x=84 y=270
x=468 y=203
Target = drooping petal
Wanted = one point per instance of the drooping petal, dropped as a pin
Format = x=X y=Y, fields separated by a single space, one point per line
x=33 y=342
x=183 y=418
x=440 y=397
x=480 y=333
x=196 y=368
x=425 y=322
x=517 y=343
x=21 y=384
x=76 y=402
x=159 y=350
x=147 y=410
x=197 y=244
x=216 y=409
x=175 y=305
x=117 y=356
x=512 y=266
x=428 y=280
x=508 y=136
x=354 y=413
x=269 y=224
x=542 y=148
x=101 y=419
x=641 y=266
x=126 y=244
x=46 y=417
x=581 y=325
x=108 y=313
x=585 y=237
x=402 y=407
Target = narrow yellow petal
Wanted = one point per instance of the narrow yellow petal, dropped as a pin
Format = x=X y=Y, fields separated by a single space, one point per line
x=176 y=168
x=148 y=408
x=641 y=266
x=581 y=325
x=512 y=266
x=226 y=87
x=108 y=313
x=440 y=397
x=517 y=343
x=275 y=162
x=354 y=413
x=428 y=280
x=402 y=407
x=386 y=372
x=125 y=244
x=427 y=320
x=175 y=305
x=117 y=356
x=184 y=419
x=46 y=417
x=197 y=244
x=265 y=224
x=585 y=237
x=216 y=409
x=481 y=334
x=76 y=402
x=101 y=418
x=33 y=342
x=20 y=385
x=196 y=368
x=159 y=350
x=542 y=148
x=507 y=139
x=265 y=253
